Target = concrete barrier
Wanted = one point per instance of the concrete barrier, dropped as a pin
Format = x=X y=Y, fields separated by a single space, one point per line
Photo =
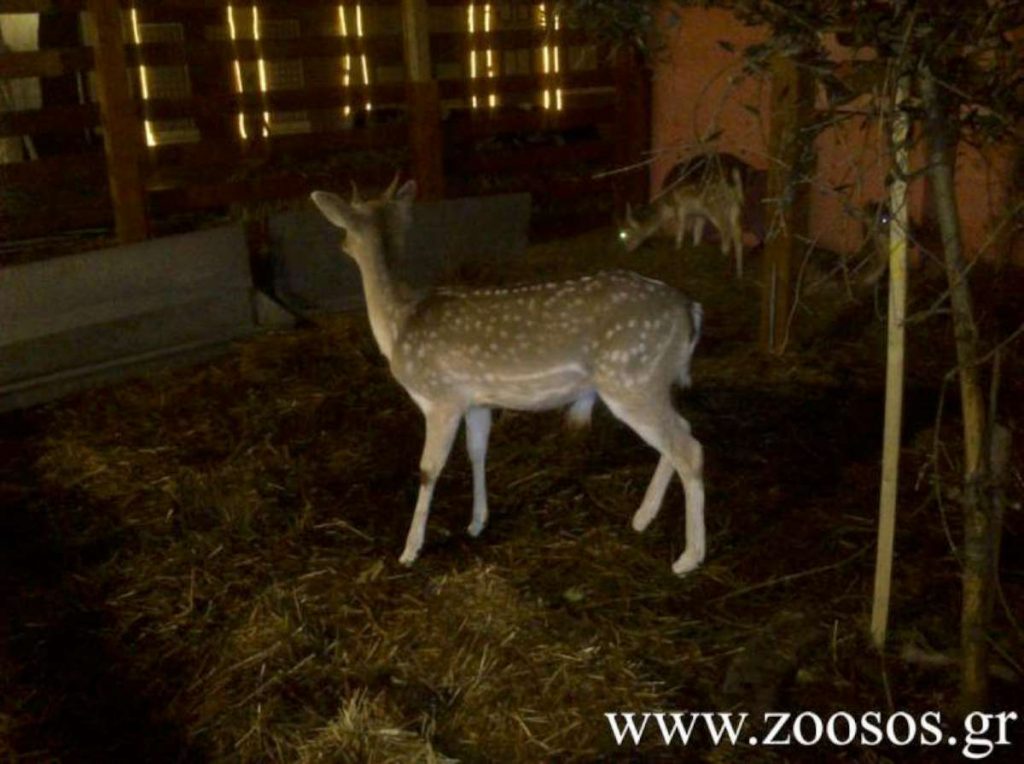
x=76 y=321
x=312 y=273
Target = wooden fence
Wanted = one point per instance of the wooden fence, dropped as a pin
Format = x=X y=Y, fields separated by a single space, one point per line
x=157 y=111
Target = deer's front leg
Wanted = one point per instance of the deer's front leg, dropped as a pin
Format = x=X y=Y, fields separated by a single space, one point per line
x=478 y=428
x=698 y=230
x=680 y=226
x=442 y=424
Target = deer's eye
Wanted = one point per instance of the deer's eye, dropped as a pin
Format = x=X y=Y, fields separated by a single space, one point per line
x=623 y=235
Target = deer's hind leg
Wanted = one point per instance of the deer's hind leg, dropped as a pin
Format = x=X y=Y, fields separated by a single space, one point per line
x=478 y=429
x=661 y=427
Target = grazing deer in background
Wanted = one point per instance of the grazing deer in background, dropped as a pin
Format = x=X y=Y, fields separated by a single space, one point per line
x=714 y=198
x=461 y=352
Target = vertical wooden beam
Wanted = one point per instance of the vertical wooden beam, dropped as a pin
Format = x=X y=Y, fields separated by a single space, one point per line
x=632 y=125
x=122 y=127
x=792 y=98
x=209 y=76
x=423 y=101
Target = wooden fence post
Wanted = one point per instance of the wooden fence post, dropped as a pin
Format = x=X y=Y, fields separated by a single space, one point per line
x=632 y=126
x=792 y=98
x=423 y=101
x=122 y=128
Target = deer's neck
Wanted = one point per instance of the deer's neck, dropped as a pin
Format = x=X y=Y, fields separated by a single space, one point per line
x=386 y=305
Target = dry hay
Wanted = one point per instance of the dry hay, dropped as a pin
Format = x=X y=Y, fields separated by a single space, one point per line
x=238 y=526
x=251 y=569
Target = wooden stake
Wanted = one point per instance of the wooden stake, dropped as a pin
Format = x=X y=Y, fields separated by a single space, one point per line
x=122 y=127
x=895 y=358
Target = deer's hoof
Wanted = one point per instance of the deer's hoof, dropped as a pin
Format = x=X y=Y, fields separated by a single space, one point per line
x=687 y=563
x=641 y=520
x=475 y=528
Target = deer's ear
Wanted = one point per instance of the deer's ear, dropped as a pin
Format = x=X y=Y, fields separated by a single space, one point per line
x=629 y=215
x=407 y=192
x=333 y=208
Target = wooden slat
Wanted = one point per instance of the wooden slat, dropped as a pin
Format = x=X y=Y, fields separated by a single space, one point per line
x=53 y=119
x=170 y=165
x=454 y=46
x=384 y=49
x=274 y=100
x=45 y=63
x=525 y=83
x=220 y=4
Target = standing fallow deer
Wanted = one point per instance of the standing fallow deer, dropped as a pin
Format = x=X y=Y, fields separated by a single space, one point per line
x=717 y=199
x=462 y=352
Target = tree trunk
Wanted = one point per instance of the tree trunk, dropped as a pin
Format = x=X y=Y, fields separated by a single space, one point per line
x=980 y=524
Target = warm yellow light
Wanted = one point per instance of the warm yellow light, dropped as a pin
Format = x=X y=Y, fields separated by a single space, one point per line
x=550 y=55
x=143 y=79
x=364 y=63
x=471 y=27
x=261 y=67
x=233 y=33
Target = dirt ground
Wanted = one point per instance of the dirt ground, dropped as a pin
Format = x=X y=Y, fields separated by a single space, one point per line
x=201 y=565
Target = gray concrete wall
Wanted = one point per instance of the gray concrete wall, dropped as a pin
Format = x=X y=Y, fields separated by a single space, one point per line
x=73 y=321
x=312 y=273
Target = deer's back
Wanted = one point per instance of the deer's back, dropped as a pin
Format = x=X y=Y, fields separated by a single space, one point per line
x=540 y=344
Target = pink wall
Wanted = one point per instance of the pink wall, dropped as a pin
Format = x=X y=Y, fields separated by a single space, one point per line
x=699 y=86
